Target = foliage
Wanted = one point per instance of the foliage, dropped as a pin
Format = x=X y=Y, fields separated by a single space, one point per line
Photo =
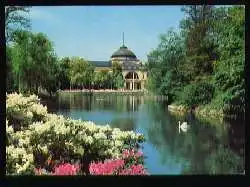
x=208 y=54
x=60 y=169
x=32 y=57
x=165 y=65
x=117 y=75
x=63 y=75
x=15 y=18
x=81 y=72
x=101 y=79
x=60 y=139
x=119 y=81
x=22 y=111
x=130 y=164
x=195 y=94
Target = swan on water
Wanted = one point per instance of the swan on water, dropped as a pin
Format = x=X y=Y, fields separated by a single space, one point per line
x=184 y=126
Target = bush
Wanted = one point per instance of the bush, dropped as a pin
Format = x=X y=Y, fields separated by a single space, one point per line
x=60 y=139
x=195 y=94
x=22 y=111
x=130 y=164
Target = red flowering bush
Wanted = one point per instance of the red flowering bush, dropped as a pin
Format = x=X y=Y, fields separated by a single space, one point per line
x=66 y=169
x=132 y=157
x=134 y=170
x=130 y=164
x=109 y=167
x=116 y=167
x=62 y=169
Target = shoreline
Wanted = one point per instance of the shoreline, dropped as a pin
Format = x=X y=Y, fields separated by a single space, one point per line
x=103 y=90
x=106 y=91
x=199 y=112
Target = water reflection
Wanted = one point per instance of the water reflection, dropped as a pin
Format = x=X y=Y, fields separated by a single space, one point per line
x=124 y=124
x=205 y=148
x=100 y=102
x=208 y=147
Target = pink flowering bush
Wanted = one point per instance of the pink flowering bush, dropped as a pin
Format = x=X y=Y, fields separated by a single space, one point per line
x=108 y=167
x=67 y=169
x=116 y=167
x=133 y=157
x=62 y=169
x=130 y=164
x=134 y=170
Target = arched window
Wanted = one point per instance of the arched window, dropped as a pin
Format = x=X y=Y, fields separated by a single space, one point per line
x=130 y=75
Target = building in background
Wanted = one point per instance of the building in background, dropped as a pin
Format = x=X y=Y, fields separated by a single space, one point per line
x=133 y=70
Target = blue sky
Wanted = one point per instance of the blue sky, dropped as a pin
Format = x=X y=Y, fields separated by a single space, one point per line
x=95 y=32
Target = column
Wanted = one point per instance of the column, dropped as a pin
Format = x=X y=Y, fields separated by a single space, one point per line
x=142 y=85
x=133 y=81
x=130 y=85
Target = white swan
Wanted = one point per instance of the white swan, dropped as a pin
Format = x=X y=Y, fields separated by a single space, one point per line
x=184 y=126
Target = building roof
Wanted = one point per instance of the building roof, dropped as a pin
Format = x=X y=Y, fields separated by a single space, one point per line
x=101 y=63
x=123 y=51
x=127 y=65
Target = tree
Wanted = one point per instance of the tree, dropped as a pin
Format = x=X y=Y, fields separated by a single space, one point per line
x=64 y=68
x=117 y=75
x=204 y=62
x=165 y=65
x=81 y=72
x=97 y=79
x=198 y=25
x=15 y=18
x=229 y=68
x=119 y=81
x=34 y=61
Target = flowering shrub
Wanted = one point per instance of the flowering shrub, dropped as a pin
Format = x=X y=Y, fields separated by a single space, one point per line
x=66 y=169
x=49 y=135
x=63 y=169
x=116 y=167
x=133 y=157
x=109 y=167
x=18 y=161
x=22 y=111
x=134 y=170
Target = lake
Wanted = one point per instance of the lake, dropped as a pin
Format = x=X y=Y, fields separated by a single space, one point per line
x=207 y=147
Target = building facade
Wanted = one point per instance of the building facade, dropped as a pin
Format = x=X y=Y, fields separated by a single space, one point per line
x=133 y=71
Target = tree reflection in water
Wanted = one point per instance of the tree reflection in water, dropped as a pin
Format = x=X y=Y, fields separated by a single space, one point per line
x=123 y=124
x=204 y=147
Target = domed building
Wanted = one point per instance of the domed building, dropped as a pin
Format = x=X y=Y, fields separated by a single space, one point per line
x=133 y=70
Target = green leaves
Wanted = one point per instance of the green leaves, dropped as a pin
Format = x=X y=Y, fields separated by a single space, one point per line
x=195 y=94
x=117 y=75
x=15 y=18
x=205 y=59
x=81 y=72
x=33 y=62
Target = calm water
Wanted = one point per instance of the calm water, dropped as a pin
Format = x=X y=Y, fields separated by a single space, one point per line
x=208 y=147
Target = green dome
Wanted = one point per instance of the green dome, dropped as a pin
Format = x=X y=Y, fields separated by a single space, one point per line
x=123 y=51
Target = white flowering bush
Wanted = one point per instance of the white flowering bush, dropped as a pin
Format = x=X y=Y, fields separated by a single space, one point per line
x=22 y=111
x=54 y=137
x=18 y=161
